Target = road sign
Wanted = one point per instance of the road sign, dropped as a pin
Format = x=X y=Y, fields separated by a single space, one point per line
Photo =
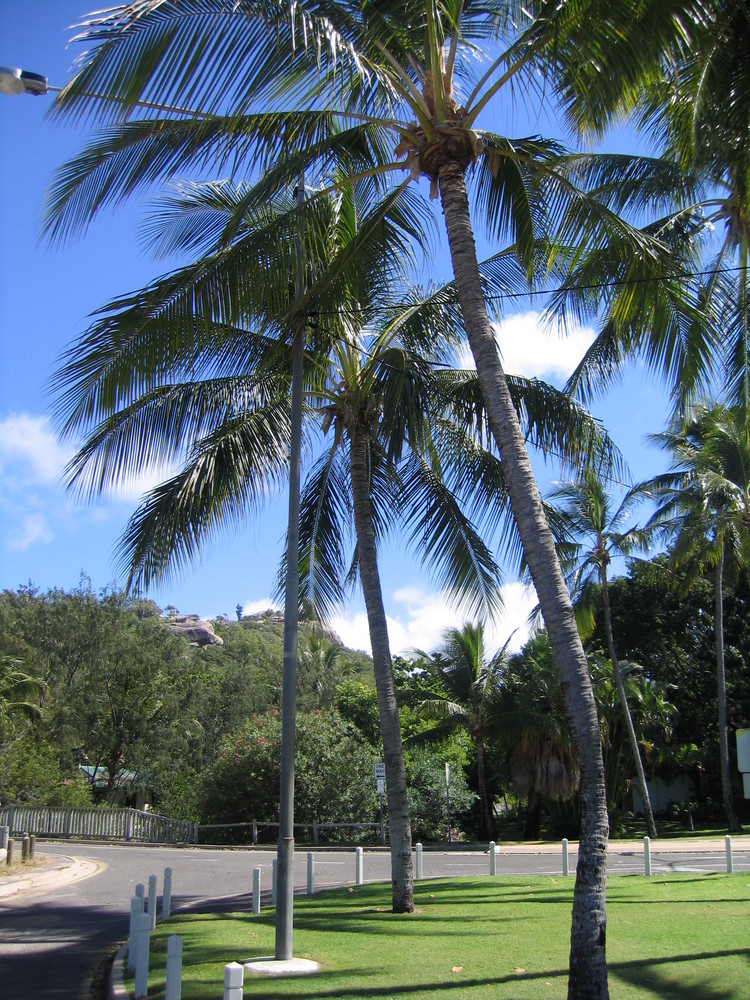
x=379 y=770
x=381 y=785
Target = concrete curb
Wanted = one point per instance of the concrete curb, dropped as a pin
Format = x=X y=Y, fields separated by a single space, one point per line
x=65 y=870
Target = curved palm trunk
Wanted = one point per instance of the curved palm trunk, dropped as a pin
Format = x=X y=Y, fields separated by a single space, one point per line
x=488 y=823
x=399 y=824
x=733 y=824
x=588 y=967
x=632 y=738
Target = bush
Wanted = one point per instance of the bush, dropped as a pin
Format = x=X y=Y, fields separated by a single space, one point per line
x=425 y=778
x=31 y=774
x=333 y=773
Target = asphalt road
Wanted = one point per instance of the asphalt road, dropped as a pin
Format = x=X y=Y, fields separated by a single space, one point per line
x=53 y=939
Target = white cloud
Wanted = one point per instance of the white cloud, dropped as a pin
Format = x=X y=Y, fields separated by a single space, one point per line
x=30 y=451
x=33 y=530
x=418 y=618
x=531 y=347
x=255 y=607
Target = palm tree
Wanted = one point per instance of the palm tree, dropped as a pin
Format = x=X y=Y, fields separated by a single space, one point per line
x=19 y=695
x=679 y=72
x=529 y=718
x=704 y=507
x=466 y=683
x=304 y=87
x=590 y=533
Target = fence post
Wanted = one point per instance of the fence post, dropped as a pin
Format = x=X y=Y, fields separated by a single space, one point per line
x=166 y=899
x=136 y=909
x=32 y=846
x=728 y=849
x=4 y=835
x=493 y=859
x=359 y=867
x=255 y=832
x=25 y=842
x=565 y=855
x=310 y=873
x=142 y=938
x=9 y=855
x=647 y=855
x=152 y=900
x=129 y=825
x=256 y=891
x=173 y=989
x=418 y=873
x=234 y=975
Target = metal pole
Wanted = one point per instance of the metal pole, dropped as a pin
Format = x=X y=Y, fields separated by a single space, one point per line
x=285 y=876
x=448 y=797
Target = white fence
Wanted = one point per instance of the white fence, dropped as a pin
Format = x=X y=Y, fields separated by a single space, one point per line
x=93 y=824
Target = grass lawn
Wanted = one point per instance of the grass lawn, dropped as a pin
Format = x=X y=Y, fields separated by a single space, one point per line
x=686 y=937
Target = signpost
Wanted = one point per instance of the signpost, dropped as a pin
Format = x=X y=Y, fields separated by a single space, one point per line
x=448 y=796
x=379 y=774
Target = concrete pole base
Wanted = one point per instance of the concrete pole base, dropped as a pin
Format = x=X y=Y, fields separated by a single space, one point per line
x=281 y=967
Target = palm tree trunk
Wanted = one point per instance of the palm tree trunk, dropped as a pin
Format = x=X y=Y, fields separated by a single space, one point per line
x=485 y=807
x=399 y=824
x=588 y=967
x=632 y=738
x=733 y=824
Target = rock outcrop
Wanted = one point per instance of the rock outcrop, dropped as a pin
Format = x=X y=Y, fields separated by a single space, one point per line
x=195 y=629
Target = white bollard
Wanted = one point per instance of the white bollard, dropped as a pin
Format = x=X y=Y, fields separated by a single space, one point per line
x=234 y=975
x=274 y=880
x=647 y=855
x=142 y=938
x=152 y=900
x=565 y=855
x=136 y=908
x=173 y=988
x=418 y=873
x=728 y=849
x=166 y=899
x=493 y=859
x=140 y=890
x=256 y=891
x=359 y=866
x=310 y=874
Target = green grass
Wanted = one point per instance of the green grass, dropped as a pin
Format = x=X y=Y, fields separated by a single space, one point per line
x=683 y=937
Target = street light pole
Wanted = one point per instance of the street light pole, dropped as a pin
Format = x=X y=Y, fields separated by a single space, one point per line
x=285 y=864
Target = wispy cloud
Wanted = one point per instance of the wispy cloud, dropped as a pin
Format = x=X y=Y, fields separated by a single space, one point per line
x=533 y=347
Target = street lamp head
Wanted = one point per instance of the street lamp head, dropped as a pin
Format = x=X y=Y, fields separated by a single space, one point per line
x=19 y=81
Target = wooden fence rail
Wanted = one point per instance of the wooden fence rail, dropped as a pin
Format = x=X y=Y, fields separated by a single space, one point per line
x=93 y=824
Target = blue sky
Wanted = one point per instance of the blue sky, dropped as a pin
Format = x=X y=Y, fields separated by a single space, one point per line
x=47 y=293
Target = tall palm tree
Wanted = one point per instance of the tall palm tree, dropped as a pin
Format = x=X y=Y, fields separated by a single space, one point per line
x=704 y=507
x=529 y=718
x=590 y=532
x=309 y=85
x=466 y=683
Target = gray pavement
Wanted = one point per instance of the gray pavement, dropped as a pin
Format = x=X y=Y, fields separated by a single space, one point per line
x=73 y=907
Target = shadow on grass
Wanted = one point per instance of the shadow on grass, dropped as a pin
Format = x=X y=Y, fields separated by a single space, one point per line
x=646 y=975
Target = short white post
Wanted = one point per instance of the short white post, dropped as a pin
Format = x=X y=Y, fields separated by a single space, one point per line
x=359 y=866
x=140 y=890
x=310 y=874
x=274 y=880
x=136 y=908
x=142 y=938
x=493 y=859
x=418 y=874
x=173 y=988
x=166 y=899
x=256 y=891
x=647 y=855
x=234 y=975
x=152 y=900
x=728 y=849
x=565 y=855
